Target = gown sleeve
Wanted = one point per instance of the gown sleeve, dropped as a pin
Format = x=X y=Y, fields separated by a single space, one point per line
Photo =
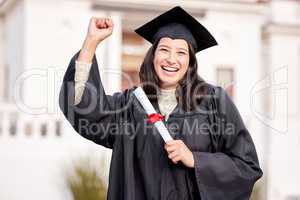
x=96 y=116
x=231 y=171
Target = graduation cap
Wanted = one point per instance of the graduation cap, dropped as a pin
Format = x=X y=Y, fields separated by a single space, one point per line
x=177 y=24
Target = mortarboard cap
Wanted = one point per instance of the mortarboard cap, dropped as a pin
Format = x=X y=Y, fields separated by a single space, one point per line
x=177 y=24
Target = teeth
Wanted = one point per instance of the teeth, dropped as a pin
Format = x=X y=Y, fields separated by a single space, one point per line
x=170 y=69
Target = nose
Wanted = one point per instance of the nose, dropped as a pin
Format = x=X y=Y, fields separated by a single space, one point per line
x=171 y=58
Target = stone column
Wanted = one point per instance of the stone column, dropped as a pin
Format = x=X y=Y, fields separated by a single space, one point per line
x=112 y=73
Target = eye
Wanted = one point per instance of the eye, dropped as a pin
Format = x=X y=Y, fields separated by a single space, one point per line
x=182 y=53
x=164 y=49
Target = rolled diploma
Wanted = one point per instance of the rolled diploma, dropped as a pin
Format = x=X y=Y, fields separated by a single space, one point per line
x=143 y=99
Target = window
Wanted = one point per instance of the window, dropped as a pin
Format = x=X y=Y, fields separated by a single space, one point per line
x=225 y=78
x=130 y=78
x=132 y=57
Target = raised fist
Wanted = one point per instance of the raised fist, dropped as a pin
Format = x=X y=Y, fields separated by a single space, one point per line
x=99 y=29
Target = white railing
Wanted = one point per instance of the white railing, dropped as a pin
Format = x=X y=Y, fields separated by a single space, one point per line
x=15 y=124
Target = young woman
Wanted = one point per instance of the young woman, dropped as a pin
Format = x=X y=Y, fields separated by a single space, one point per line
x=212 y=156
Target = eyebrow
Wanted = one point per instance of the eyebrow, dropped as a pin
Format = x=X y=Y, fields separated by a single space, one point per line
x=163 y=45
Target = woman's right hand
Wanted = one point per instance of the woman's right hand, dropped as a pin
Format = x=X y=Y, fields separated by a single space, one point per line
x=99 y=29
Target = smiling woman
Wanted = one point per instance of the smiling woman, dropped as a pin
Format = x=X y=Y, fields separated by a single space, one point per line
x=212 y=156
x=171 y=61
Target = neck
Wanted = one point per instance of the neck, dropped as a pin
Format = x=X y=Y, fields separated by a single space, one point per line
x=168 y=87
x=169 y=90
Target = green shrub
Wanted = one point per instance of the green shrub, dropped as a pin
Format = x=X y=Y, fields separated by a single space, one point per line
x=84 y=181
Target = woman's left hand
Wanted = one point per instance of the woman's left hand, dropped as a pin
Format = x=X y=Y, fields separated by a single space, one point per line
x=178 y=151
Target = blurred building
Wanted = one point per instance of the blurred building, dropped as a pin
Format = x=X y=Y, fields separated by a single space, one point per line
x=257 y=61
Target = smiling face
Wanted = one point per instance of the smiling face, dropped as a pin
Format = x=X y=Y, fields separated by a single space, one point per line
x=171 y=61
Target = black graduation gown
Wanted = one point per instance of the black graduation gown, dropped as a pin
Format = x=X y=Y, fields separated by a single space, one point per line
x=226 y=164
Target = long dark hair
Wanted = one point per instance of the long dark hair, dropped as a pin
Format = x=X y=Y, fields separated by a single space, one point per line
x=191 y=87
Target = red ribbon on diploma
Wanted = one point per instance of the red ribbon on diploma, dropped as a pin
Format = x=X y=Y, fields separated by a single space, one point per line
x=154 y=117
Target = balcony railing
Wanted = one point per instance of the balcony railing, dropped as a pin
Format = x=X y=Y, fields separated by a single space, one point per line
x=14 y=123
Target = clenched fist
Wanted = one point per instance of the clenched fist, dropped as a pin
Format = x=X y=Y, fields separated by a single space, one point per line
x=99 y=29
